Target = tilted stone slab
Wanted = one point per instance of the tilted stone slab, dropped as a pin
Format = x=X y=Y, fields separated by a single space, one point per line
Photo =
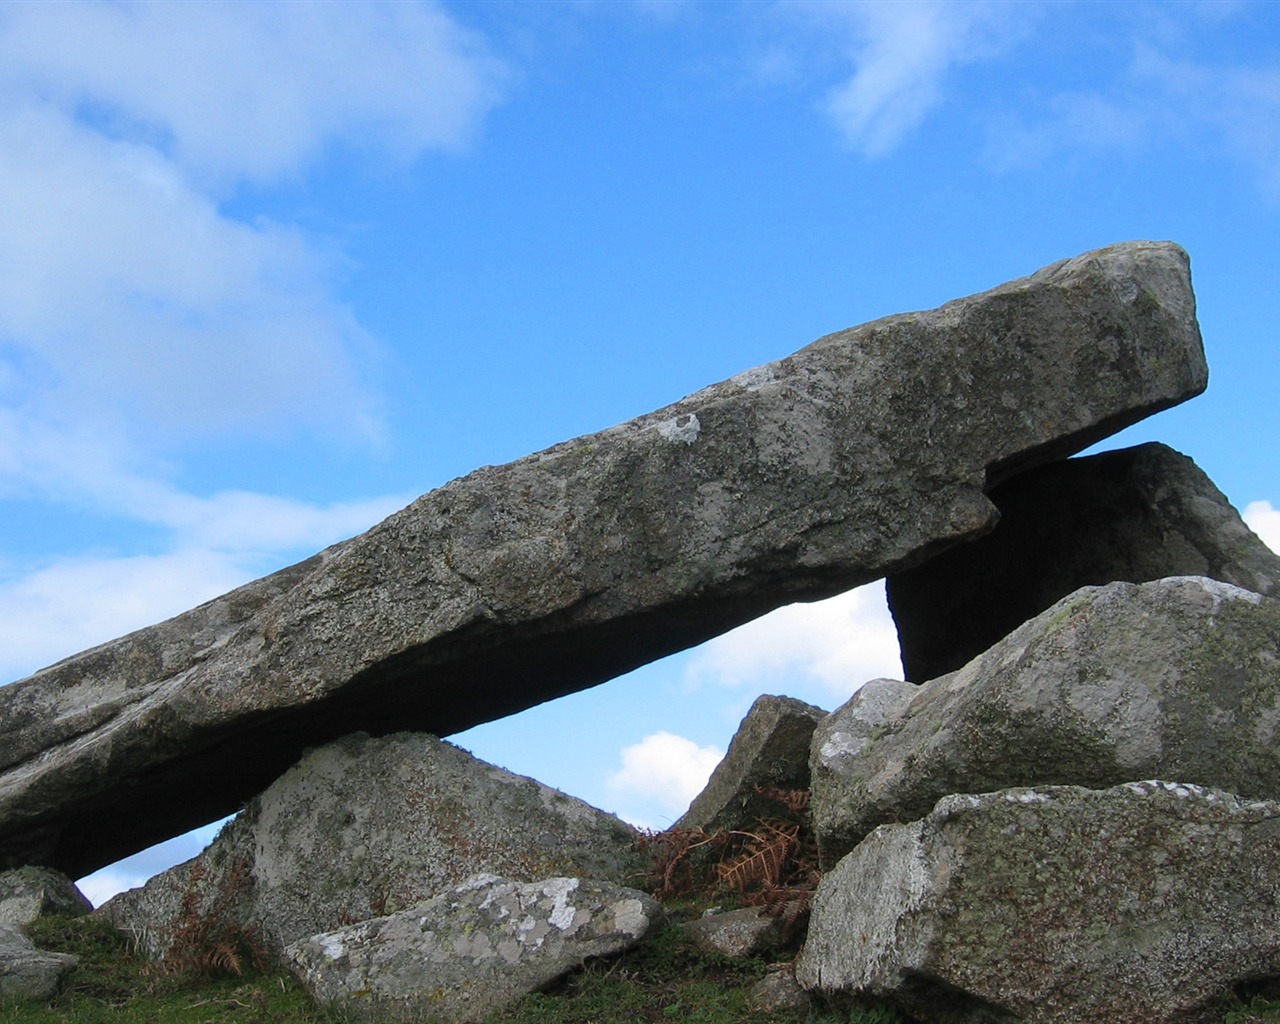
x=855 y=457
x=769 y=752
x=365 y=827
x=1135 y=515
x=1177 y=678
x=471 y=950
x=1143 y=903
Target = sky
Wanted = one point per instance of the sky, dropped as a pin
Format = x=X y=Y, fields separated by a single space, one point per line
x=269 y=271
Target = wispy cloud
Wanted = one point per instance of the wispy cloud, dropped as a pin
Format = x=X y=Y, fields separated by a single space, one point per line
x=823 y=651
x=903 y=56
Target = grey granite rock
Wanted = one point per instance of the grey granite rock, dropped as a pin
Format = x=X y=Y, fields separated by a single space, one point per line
x=1177 y=678
x=857 y=456
x=1133 y=515
x=31 y=892
x=28 y=973
x=744 y=932
x=770 y=750
x=365 y=827
x=1144 y=903
x=471 y=950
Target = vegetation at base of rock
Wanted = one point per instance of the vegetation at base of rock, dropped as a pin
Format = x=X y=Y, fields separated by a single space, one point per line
x=772 y=865
x=666 y=980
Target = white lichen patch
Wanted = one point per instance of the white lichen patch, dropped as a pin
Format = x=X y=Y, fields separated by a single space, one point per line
x=629 y=918
x=681 y=429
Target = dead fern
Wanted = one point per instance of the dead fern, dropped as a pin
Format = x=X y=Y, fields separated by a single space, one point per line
x=207 y=938
x=774 y=865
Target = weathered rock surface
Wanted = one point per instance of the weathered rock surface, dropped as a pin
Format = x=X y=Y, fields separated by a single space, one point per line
x=1178 y=678
x=857 y=456
x=1142 y=903
x=27 y=972
x=31 y=892
x=770 y=749
x=1134 y=515
x=471 y=950
x=744 y=932
x=365 y=827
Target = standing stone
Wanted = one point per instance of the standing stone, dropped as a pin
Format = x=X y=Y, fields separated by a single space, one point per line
x=1135 y=515
x=1178 y=678
x=469 y=951
x=769 y=751
x=858 y=456
x=365 y=827
x=1145 y=903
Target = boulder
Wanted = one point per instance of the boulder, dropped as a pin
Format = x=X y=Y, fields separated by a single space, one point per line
x=1135 y=515
x=1144 y=903
x=471 y=950
x=364 y=827
x=1178 y=678
x=769 y=751
x=28 y=973
x=857 y=456
x=30 y=892
x=748 y=931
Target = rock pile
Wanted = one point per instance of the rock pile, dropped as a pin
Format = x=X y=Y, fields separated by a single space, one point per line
x=995 y=843
x=857 y=456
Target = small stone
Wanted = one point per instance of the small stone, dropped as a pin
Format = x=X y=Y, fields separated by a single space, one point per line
x=745 y=932
x=472 y=950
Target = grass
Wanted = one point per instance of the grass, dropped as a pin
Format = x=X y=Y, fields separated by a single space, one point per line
x=664 y=981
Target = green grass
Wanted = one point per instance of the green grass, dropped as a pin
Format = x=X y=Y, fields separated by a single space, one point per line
x=664 y=981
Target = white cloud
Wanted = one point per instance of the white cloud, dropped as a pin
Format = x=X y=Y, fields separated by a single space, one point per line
x=256 y=91
x=820 y=652
x=137 y=317
x=665 y=772
x=902 y=56
x=1264 y=520
x=129 y=300
x=54 y=610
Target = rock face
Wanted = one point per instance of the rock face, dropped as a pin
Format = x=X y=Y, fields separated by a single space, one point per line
x=770 y=749
x=365 y=827
x=1178 y=678
x=27 y=973
x=858 y=456
x=1143 y=903
x=30 y=892
x=1136 y=515
x=471 y=950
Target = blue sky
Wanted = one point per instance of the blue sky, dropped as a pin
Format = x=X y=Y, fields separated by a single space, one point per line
x=269 y=271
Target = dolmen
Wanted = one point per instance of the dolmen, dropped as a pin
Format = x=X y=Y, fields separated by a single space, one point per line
x=1070 y=813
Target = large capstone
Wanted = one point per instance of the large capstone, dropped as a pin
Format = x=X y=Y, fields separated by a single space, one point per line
x=1135 y=515
x=1145 y=903
x=1177 y=678
x=858 y=456
x=364 y=827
